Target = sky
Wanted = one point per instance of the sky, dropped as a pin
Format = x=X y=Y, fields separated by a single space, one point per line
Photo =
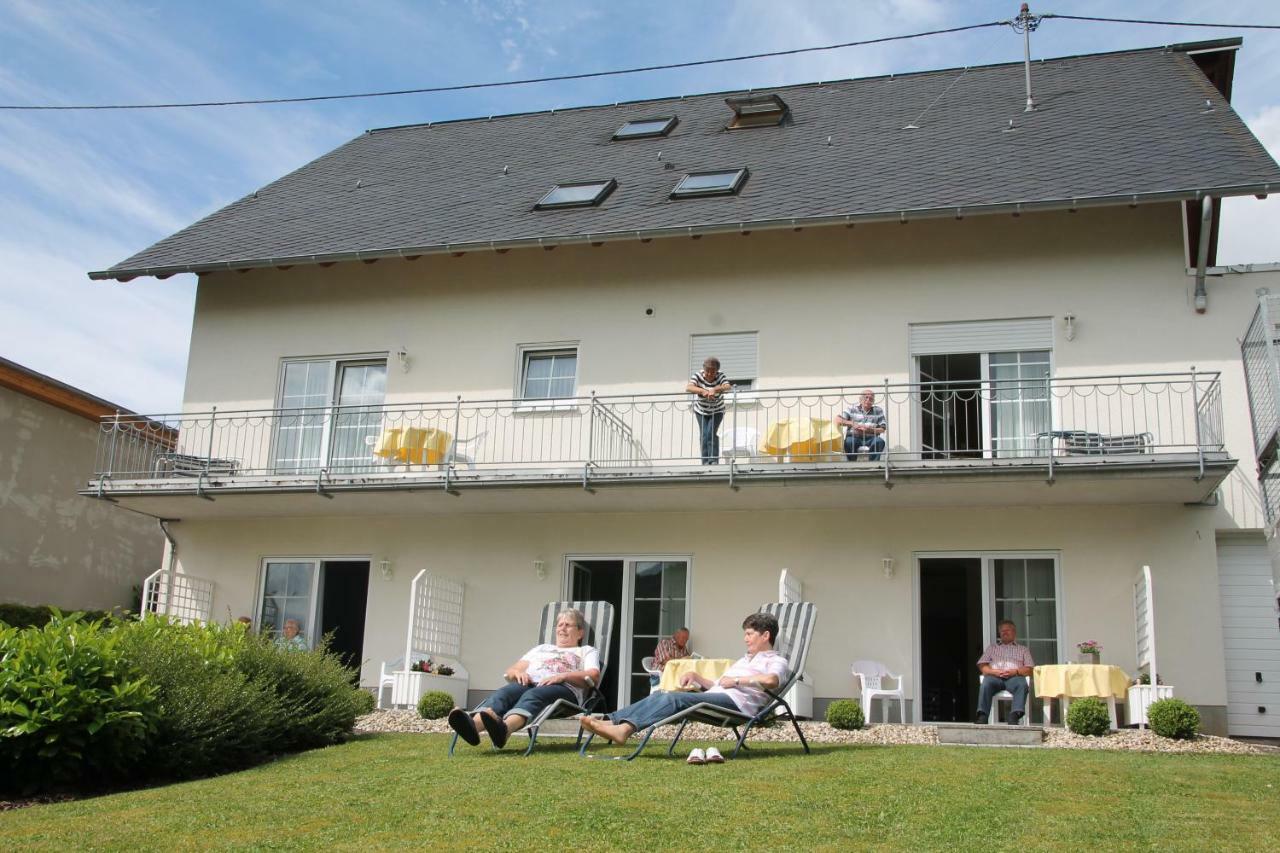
x=81 y=191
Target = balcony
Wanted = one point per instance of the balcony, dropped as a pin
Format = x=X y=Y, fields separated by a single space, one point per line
x=1154 y=438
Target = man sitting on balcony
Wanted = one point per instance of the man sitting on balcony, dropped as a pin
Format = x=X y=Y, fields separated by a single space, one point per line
x=865 y=426
x=1005 y=666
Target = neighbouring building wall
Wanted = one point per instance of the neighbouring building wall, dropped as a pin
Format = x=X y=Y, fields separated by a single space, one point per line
x=831 y=306
x=736 y=559
x=57 y=547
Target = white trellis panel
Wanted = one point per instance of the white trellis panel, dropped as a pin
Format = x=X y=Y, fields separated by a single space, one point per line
x=435 y=617
x=790 y=589
x=183 y=597
x=1144 y=618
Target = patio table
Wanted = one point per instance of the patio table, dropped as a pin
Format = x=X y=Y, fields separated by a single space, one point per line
x=1077 y=680
x=413 y=445
x=804 y=440
x=711 y=668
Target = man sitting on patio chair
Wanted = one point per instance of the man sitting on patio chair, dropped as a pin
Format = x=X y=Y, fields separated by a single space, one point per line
x=1005 y=665
x=864 y=424
x=546 y=673
x=742 y=688
x=669 y=648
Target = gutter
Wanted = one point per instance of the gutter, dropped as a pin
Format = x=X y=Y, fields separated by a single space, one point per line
x=849 y=219
x=1202 y=253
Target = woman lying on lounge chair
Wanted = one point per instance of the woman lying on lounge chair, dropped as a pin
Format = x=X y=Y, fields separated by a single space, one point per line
x=741 y=689
x=546 y=673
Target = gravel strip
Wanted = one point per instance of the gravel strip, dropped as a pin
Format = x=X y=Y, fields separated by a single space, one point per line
x=1127 y=740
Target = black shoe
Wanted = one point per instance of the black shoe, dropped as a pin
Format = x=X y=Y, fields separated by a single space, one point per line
x=460 y=721
x=980 y=719
x=1015 y=717
x=498 y=731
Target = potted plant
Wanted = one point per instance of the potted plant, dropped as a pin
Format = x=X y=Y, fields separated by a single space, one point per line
x=1090 y=652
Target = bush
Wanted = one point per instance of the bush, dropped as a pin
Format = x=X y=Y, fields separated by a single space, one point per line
x=434 y=704
x=845 y=714
x=1173 y=718
x=365 y=703
x=1088 y=716
x=71 y=705
x=27 y=616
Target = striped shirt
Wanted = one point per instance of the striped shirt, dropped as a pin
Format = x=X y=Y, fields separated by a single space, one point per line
x=668 y=650
x=873 y=417
x=708 y=405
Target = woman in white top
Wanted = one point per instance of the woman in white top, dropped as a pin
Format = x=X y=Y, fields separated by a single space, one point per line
x=547 y=672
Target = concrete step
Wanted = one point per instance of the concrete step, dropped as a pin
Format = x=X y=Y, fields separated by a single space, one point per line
x=999 y=734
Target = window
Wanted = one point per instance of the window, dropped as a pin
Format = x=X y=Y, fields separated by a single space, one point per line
x=646 y=128
x=697 y=184
x=548 y=374
x=287 y=594
x=1025 y=593
x=327 y=409
x=737 y=352
x=756 y=111
x=584 y=194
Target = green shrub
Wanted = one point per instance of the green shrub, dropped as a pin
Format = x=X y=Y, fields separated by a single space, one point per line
x=27 y=616
x=434 y=704
x=845 y=714
x=1173 y=718
x=71 y=705
x=365 y=703
x=1088 y=716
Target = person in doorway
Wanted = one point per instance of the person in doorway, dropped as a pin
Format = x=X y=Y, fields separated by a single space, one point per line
x=708 y=385
x=669 y=648
x=742 y=688
x=547 y=672
x=865 y=425
x=291 y=637
x=1005 y=666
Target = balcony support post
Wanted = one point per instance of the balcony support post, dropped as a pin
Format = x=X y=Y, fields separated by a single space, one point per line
x=448 y=461
x=1195 y=414
x=733 y=437
x=591 y=446
x=888 y=484
x=208 y=457
x=115 y=434
x=1048 y=393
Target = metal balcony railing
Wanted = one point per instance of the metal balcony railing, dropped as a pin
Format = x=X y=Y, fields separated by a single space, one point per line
x=1047 y=420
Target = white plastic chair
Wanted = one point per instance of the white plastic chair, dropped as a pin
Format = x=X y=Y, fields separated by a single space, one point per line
x=1004 y=695
x=466 y=450
x=390 y=667
x=740 y=442
x=871 y=675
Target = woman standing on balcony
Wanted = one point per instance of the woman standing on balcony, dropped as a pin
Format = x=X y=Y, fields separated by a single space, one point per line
x=708 y=408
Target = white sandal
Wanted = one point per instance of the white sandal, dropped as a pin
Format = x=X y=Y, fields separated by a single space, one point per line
x=714 y=756
x=697 y=757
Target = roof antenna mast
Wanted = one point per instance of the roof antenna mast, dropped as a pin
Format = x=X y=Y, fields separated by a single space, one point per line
x=1026 y=23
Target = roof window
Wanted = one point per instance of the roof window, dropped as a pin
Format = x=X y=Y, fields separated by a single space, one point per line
x=583 y=194
x=696 y=184
x=645 y=128
x=756 y=111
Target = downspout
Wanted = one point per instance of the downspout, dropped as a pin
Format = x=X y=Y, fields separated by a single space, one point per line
x=173 y=562
x=1202 y=253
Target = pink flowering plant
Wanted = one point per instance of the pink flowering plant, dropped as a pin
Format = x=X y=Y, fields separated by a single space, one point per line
x=1090 y=647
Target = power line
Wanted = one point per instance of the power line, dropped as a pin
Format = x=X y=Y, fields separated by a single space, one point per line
x=500 y=83
x=1161 y=23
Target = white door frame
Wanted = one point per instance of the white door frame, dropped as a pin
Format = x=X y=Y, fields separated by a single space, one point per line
x=316 y=592
x=985 y=557
x=628 y=602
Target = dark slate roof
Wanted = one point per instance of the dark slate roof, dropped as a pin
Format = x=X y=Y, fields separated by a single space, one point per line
x=1109 y=127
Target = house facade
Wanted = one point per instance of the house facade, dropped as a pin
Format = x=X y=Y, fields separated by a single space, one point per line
x=494 y=391
x=56 y=547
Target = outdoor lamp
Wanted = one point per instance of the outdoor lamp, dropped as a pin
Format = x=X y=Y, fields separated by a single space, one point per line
x=384 y=566
x=887 y=564
x=540 y=569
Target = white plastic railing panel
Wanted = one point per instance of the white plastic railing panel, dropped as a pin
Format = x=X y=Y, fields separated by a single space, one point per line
x=1144 y=618
x=435 y=616
x=790 y=589
x=183 y=597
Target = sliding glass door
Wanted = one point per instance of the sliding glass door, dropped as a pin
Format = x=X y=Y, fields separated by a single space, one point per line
x=329 y=408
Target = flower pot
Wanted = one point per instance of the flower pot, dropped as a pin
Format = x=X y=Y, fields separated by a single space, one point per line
x=1094 y=658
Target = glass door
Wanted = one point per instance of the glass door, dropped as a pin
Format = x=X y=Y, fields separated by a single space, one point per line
x=300 y=427
x=1026 y=593
x=328 y=409
x=1019 y=401
x=650 y=596
x=289 y=594
x=357 y=415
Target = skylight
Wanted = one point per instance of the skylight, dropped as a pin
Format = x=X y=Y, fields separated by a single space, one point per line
x=695 y=184
x=756 y=111
x=645 y=128
x=584 y=194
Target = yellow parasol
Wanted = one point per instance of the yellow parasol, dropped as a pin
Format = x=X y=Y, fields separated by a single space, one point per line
x=804 y=440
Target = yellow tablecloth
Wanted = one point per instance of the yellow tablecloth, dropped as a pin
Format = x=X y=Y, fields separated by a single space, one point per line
x=711 y=668
x=804 y=440
x=1076 y=680
x=413 y=445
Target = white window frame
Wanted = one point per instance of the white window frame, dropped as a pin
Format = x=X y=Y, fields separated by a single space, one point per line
x=545 y=404
x=334 y=363
x=623 y=639
x=987 y=577
x=316 y=592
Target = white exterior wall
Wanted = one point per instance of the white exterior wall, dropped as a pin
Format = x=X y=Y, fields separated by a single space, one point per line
x=736 y=558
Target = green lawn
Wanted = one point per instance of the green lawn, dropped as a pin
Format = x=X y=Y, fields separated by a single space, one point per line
x=403 y=791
